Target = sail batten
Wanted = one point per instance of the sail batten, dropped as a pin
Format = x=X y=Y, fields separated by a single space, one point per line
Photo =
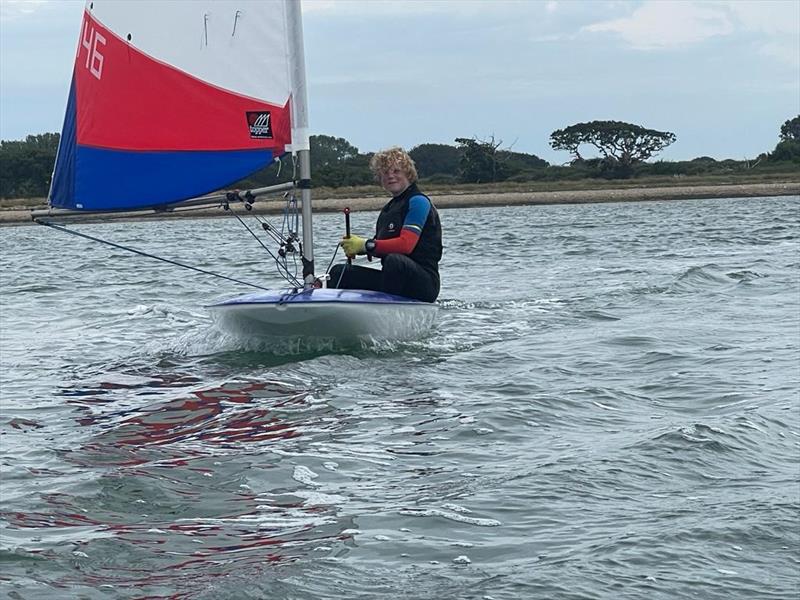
x=174 y=103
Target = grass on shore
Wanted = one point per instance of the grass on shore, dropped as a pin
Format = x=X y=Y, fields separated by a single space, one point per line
x=572 y=185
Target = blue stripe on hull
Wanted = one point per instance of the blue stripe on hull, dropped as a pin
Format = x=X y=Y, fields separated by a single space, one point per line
x=319 y=295
x=104 y=179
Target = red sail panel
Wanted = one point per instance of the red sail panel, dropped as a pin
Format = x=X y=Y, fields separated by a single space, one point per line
x=128 y=100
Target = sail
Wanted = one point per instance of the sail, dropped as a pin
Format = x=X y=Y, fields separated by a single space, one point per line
x=173 y=99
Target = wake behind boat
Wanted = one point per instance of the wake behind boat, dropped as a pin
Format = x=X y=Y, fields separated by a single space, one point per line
x=231 y=99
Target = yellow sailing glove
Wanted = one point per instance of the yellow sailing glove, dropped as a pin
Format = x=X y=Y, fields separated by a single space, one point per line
x=353 y=245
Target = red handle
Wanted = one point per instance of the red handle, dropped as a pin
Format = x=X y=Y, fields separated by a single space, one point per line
x=347 y=227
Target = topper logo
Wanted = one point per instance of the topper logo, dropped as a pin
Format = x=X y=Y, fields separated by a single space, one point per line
x=94 y=59
x=260 y=125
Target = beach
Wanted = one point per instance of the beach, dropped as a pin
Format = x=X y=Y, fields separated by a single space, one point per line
x=21 y=216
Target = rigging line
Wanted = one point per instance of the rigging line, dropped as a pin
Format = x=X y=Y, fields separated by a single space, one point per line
x=333 y=258
x=269 y=229
x=290 y=216
x=282 y=269
x=330 y=264
x=285 y=264
x=344 y=268
x=295 y=215
x=258 y=239
x=145 y=254
x=272 y=233
x=294 y=259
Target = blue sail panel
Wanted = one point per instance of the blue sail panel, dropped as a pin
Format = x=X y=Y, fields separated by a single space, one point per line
x=63 y=185
x=100 y=179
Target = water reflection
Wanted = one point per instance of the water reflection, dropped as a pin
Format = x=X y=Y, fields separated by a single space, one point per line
x=231 y=414
x=186 y=489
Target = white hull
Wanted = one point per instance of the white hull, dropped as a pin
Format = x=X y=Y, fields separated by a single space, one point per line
x=323 y=313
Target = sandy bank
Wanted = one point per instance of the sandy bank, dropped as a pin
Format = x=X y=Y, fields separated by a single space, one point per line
x=14 y=216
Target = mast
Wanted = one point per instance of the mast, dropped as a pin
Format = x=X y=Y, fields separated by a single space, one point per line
x=300 y=136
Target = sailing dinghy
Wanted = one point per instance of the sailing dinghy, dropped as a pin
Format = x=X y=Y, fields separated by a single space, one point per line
x=171 y=100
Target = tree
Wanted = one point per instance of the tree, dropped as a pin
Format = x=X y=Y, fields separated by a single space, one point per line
x=788 y=148
x=327 y=150
x=519 y=163
x=335 y=162
x=349 y=172
x=328 y=155
x=432 y=159
x=479 y=161
x=790 y=130
x=26 y=166
x=621 y=144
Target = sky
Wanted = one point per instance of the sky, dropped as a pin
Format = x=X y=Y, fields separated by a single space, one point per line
x=721 y=75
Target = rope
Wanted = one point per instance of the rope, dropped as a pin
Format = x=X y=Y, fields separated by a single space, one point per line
x=278 y=237
x=289 y=224
x=282 y=268
x=258 y=239
x=145 y=254
x=330 y=264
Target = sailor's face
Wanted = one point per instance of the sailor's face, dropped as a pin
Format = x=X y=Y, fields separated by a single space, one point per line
x=394 y=180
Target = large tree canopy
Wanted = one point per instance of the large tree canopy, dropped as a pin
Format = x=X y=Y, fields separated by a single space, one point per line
x=788 y=147
x=790 y=130
x=480 y=161
x=327 y=150
x=432 y=159
x=624 y=143
x=26 y=165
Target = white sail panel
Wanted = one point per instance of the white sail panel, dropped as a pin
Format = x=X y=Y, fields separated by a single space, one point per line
x=237 y=45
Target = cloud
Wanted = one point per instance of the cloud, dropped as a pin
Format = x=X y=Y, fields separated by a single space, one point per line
x=773 y=18
x=772 y=27
x=11 y=10
x=776 y=26
x=658 y=25
x=404 y=8
x=385 y=7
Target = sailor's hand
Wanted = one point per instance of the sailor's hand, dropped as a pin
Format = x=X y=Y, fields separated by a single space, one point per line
x=353 y=245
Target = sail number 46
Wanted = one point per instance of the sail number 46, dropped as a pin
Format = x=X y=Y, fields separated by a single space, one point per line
x=94 y=59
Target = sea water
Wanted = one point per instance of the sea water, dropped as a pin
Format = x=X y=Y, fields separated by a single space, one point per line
x=607 y=408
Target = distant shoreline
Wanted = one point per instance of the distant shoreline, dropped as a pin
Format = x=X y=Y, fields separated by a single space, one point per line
x=19 y=216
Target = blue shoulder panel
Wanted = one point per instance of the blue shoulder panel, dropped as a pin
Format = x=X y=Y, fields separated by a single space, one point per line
x=418 y=209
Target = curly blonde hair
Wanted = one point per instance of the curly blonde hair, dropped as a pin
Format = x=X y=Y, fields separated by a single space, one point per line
x=395 y=156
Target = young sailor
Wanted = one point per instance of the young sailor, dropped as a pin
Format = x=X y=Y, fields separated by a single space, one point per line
x=408 y=237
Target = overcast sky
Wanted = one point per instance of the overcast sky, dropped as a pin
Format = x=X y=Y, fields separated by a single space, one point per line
x=722 y=75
